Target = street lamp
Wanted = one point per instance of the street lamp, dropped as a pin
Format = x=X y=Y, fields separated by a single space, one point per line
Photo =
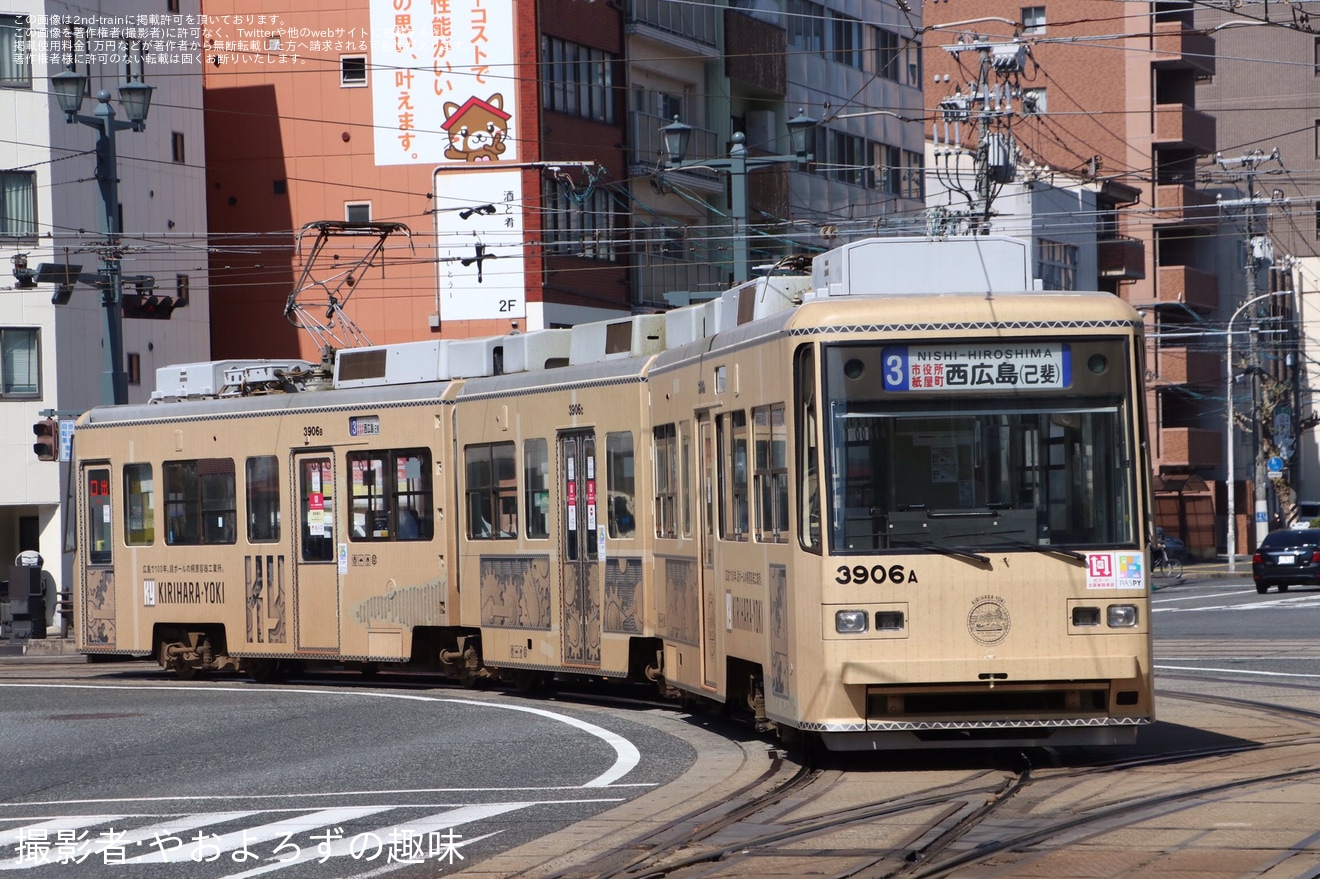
x=676 y=137
x=1228 y=369
x=135 y=95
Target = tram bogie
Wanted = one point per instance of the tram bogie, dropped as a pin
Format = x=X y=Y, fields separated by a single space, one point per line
x=859 y=516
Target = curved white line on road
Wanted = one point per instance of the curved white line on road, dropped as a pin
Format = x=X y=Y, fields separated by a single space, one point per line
x=626 y=755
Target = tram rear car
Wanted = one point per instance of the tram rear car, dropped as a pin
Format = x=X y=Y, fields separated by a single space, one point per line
x=257 y=530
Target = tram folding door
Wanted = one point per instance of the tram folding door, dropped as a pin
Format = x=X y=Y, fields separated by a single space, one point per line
x=316 y=571
x=581 y=577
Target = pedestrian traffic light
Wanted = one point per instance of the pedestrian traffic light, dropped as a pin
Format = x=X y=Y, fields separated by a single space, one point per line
x=47 y=445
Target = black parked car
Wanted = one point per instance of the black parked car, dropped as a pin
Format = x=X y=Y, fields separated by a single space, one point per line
x=1286 y=558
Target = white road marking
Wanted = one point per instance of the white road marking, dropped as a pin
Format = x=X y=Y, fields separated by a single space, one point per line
x=103 y=843
x=1299 y=602
x=1196 y=597
x=1234 y=671
x=241 y=839
x=420 y=827
x=626 y=755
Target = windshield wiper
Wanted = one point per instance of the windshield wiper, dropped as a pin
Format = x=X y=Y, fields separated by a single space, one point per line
x=1047 y=549
x=953 y=551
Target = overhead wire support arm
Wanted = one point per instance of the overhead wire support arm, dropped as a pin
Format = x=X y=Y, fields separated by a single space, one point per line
x=338 y=288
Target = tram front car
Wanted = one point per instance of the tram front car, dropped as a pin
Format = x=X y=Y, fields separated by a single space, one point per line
x=974 y=482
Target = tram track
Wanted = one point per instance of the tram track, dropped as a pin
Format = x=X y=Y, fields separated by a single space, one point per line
x=995 y=823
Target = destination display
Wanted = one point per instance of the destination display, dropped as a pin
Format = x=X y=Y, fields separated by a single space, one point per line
x=1031 y=365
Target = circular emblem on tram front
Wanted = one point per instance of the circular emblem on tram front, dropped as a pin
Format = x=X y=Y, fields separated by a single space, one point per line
x=988 y=622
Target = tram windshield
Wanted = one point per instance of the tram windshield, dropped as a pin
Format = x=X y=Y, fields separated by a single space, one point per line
x=1022 y=463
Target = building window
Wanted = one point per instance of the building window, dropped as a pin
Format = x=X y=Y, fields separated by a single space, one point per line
x=1056 y=264
x=1317 y=56
x=888 y=57
x=841 y=156
x=577 y=80
x=912 y=60
x=172 y=6
x=274 y=43
x=887 y=162
x=15 y=52
x=806 y=26
x=914 y=175
x=352 y=71
x=18 y=204
x=357 y=211
x=588 y=229
x=181 y=291
x=1317 y=220
x=1033 y=20
x=845 y=40
x=1033 y=102
x=134 y=369
x=280 y=187
x=176 y=146
x=20 y=362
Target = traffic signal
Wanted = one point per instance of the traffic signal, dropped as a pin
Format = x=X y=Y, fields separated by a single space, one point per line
x=47 y=445
x=146 y=305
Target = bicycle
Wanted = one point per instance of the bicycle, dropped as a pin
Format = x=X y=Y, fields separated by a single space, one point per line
x=1164 y=565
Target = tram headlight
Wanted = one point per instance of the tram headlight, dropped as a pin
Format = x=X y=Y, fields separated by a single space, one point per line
x=850 y=622
x=1121 y=616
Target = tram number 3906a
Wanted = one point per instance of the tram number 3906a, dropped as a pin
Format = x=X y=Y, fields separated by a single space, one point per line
x=875 y=574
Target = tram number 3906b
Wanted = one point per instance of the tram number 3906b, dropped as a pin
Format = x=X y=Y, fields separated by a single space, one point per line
x=875 y=574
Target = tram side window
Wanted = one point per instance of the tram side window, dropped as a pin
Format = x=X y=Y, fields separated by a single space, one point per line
x=263 y=499
x=412 y=494
x=621 y=484
x=200 y=508
x=139 y=505
x=733 y=475
x=369 y=502
x=391 y=495
x=536 y=485
x=666 y=481
x=807 y=471
x=771 y=439
x=98 y=516
x=492 y=491
x=684 y=474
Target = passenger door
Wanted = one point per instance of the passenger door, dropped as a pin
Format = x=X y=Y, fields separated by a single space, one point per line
x=316 y=556
x=580 y=570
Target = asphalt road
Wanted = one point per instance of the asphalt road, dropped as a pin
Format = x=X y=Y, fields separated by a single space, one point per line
x=140 y=776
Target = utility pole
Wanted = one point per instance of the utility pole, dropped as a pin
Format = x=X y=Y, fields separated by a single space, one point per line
x=990 y=107
x=1260 y=256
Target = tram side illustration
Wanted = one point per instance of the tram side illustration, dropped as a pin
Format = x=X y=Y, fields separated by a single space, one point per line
x=874 y=506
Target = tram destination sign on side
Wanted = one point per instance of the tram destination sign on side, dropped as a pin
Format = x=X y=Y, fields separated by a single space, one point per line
x=1028 y=365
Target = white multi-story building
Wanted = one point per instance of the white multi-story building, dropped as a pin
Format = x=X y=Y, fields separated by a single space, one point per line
x=51 y=213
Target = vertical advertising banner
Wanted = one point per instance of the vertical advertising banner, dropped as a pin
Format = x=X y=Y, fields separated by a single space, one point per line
x=479 y=244
x=443 y=81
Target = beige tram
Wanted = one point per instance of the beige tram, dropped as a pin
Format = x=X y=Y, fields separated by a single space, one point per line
x=850 y=505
